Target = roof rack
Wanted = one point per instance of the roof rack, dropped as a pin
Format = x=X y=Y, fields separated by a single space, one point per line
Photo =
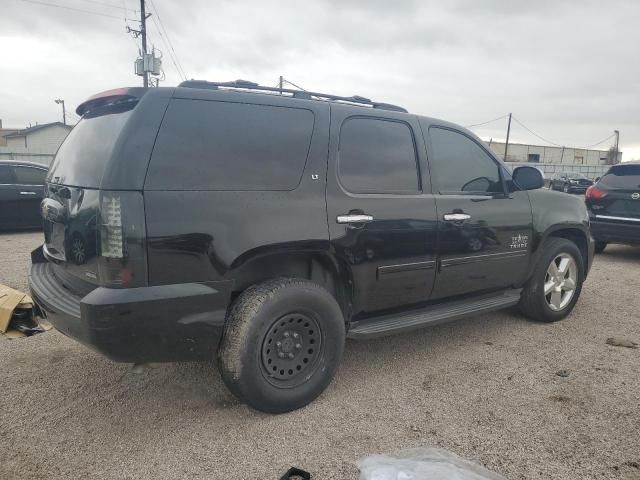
x=303 y=94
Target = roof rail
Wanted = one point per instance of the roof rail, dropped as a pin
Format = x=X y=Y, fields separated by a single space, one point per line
x=247 y=85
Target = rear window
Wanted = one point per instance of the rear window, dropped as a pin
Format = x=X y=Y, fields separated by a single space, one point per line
x=208 y=145
x=622 y=176
x=82 y=158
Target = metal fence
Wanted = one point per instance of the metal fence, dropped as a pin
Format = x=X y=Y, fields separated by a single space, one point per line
x=590 y=171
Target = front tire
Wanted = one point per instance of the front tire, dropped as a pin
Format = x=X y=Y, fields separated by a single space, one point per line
x=282 y=343
x=554 y=287
x=565 y=189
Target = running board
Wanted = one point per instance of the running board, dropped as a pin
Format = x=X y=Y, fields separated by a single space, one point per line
x=432 y=315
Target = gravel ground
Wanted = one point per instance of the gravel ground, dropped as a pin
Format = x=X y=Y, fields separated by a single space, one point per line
x=485 y=388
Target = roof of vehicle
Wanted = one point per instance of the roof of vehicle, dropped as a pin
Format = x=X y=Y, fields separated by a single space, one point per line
x=24 y=164
x=248 y=86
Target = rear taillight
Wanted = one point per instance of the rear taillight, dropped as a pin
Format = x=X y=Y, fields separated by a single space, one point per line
x=595 y=193
x=122 y=258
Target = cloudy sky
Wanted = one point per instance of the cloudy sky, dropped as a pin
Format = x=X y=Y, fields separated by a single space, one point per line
x=568 y=70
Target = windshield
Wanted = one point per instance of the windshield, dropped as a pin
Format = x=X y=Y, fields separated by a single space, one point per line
x=82 y=158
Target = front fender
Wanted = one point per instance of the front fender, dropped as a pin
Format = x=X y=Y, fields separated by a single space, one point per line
x=561 y=215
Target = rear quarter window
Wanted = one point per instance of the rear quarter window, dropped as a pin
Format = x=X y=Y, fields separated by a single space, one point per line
x=210 y=145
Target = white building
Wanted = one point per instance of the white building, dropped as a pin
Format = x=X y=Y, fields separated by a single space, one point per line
x=34 y=144
x=557 y=159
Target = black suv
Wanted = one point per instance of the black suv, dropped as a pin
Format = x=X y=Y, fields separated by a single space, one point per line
x=264 y=226
x=614 y=206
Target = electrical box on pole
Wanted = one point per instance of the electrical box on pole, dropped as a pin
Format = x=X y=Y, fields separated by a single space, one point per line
x=149 y=63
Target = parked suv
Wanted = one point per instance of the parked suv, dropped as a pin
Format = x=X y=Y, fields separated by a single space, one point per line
x=264 y=226
x=571 y=182
x=21 y=190
x=614 y=206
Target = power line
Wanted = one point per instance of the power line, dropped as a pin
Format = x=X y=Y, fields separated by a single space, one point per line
x=488 y=121
x=601 y=141
x=168 y=41
x=111 y=5
x=293 y=84
x=535 y=134
x=37 y=2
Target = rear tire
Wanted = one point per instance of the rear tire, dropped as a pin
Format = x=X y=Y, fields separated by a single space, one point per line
x=600 y=246
x=282 y=343
x=549 y=297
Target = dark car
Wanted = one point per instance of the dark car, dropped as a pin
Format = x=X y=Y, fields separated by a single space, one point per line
x=21 y=191
x=570 y=182
x=263 y=227
x=614 y=206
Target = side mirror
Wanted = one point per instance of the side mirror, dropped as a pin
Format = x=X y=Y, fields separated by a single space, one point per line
x=596 y=180
x=528 y=178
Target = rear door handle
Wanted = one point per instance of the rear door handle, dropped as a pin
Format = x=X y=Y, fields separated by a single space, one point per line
x=456 y=217
x=27 y=193
x=359 y=218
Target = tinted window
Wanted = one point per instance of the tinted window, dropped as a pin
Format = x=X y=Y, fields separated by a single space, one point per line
x=622 y=176
x=82 y=157
x=6 y=175
x=29 y=175
x=204 y=145
x=461 y=165
x=377 y=156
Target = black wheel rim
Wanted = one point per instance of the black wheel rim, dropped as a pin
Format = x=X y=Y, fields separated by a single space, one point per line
x=291 y=350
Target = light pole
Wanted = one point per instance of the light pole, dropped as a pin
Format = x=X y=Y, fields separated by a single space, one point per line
x=64 y=112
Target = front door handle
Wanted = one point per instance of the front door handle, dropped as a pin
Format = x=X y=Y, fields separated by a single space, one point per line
x=456 y=217
x=354 y=218
x=27 y=193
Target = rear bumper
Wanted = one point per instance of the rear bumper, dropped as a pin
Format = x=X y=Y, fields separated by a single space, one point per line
x=148 y=324
x=615 y=231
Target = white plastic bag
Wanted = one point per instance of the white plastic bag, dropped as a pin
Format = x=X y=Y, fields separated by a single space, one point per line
x=422 y=464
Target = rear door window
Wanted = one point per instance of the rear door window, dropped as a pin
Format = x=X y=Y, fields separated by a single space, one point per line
x=377 y=156
x=460 y=165
x=29 y=175
x=209 y=145
x=6 y=175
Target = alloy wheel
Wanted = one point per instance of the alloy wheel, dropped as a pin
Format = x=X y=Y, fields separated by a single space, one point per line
x=560 y=281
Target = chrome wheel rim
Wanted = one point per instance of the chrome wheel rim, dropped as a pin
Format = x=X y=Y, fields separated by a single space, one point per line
x=560 y=281
x=77 y=250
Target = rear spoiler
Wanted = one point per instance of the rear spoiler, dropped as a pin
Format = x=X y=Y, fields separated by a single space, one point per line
x=109 y=97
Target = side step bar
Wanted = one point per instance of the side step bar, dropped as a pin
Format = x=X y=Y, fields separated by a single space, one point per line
x=432 y=315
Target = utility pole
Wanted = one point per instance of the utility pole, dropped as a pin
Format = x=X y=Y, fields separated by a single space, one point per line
x=506 y=144
x=143 y=33
x=280 y=83
x=64 y=112
x=617 y=133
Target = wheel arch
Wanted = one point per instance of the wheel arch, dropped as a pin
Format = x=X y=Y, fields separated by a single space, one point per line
x=320 y=267
x=574 y=233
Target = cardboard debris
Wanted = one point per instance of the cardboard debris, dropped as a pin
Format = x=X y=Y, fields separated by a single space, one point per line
x=10 y=300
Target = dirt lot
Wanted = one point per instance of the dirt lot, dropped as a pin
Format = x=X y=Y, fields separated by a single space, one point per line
x=486 y=388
